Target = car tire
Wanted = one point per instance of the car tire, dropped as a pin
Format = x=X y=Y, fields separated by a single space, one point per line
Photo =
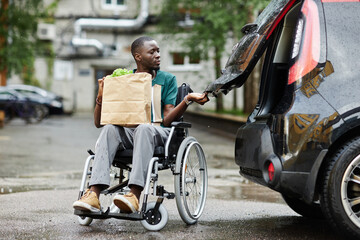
x=304 y=209
x=340 y=195
x=38 y=112
x=9 y=115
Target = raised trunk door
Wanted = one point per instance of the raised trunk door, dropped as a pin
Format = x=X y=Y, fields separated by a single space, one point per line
x=250 y=48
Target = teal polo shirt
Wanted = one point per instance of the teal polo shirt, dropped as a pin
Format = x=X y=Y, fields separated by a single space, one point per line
x=168 y=88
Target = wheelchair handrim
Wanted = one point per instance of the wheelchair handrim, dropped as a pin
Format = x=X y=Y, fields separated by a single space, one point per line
x=185 y=182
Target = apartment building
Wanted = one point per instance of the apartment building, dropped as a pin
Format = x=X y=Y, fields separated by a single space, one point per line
x=91 y=38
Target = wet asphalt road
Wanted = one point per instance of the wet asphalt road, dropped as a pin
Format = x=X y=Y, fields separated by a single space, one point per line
x=40 y=169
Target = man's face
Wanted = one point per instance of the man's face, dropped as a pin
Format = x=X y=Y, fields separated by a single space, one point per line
x=150 y=55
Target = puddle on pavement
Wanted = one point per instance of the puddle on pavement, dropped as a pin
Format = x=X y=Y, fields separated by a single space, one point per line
x=241 y=191
x=225 y=182
x=15 y=189
x=228 y=184
x=49 y=181
x=248 y=191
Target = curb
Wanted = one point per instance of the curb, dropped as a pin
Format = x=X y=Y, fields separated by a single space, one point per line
x=222 y=124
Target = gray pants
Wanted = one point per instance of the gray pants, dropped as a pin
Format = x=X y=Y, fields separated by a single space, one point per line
x=142 y=140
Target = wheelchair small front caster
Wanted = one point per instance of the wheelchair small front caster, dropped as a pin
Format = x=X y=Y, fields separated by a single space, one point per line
x=85 y=221
x=155 y=221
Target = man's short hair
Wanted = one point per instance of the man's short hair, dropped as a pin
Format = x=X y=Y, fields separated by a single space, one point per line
x=139 y=42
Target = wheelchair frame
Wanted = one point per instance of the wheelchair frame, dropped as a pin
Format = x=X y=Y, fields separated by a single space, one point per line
x=153 y=216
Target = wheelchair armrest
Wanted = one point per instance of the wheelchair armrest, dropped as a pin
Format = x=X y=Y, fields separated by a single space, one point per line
x=181 y=124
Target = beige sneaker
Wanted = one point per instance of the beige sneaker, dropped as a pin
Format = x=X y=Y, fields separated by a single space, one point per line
x=88 y=202
x=127 y=203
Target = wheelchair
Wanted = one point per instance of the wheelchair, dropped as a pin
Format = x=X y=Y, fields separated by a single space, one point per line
x=182 y=154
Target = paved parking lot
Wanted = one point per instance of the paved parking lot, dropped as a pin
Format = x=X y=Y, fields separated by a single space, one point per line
x=40 y=172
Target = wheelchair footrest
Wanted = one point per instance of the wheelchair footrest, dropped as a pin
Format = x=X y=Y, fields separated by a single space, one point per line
x=171 y=195
x=104 y=215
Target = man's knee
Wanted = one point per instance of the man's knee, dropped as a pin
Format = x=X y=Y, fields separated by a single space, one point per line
x=106 y=132
x=109 y=128
x=144 y=129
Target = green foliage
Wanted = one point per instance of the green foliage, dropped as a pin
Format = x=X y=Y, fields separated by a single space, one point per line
x=120 y=71
x=215 y=22
x=18 y=26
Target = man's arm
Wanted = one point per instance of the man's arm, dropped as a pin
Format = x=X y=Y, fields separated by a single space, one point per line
x=172 y=113
x=97 y=111
x=97 y=115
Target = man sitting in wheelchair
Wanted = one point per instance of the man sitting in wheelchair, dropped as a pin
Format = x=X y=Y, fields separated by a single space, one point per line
x=142 y=139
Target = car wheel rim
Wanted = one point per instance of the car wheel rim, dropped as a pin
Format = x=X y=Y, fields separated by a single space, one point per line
x=350 y=191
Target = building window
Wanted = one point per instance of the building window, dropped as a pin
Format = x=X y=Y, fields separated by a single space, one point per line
x=178 y=58
x=114 y=4
x=182 y=61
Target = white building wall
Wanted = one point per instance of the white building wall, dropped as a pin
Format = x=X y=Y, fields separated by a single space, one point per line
x=43 y=74
x=63 y=83
x=78 y=88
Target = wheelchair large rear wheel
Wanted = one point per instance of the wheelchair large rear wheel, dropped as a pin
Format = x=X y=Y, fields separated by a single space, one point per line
x=190 y=180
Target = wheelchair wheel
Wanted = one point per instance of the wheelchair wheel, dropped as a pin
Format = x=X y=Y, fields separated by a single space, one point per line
x=105 y=199
x=152 y=221
x=190 y=180
x=85 y=221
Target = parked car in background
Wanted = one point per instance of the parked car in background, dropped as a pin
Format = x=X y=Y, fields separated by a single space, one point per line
x=303 y=137
x=15 y=104
x=53 y=102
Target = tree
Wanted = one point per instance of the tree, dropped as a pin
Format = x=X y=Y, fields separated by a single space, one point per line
x=215 y=21
x=18 y=39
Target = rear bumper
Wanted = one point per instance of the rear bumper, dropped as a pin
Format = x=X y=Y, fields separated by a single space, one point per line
x=254 y=152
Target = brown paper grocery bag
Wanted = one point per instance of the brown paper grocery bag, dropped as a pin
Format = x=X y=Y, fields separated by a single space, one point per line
x=127 y=100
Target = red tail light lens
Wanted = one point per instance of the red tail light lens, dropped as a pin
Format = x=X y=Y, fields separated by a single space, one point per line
x=307 y=42
x=271 y=171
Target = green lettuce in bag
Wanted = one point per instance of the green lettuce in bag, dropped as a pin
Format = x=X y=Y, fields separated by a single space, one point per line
x=120 y=71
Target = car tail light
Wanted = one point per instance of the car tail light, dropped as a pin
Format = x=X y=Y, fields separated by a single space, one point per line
x=271 y=171
x=306 y=49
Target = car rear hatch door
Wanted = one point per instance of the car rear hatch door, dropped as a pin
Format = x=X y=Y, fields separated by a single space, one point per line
x=250 y=48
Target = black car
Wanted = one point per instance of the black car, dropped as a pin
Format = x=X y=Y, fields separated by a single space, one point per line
x=303 y=137
x=15 y=104
x=53 y=102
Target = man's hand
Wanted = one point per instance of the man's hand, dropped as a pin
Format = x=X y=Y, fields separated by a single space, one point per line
x=200 y=98
x=172 y=113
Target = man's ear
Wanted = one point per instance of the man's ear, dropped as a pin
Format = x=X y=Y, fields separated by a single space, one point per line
x=137 y=57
